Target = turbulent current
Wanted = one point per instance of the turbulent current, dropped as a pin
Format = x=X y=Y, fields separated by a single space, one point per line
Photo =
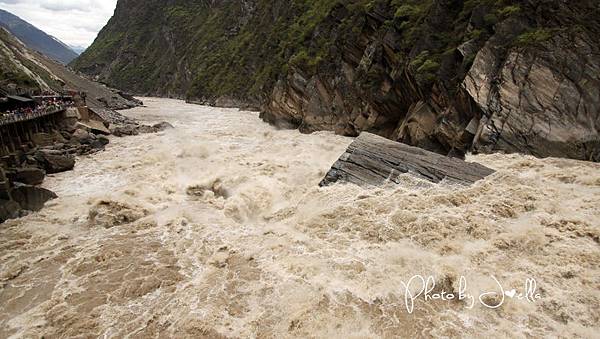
x=218 y=228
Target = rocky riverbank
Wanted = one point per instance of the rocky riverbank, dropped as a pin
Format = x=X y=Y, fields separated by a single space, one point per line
x=55 y=152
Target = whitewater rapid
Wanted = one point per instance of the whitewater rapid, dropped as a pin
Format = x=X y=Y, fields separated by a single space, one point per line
x=218 y=228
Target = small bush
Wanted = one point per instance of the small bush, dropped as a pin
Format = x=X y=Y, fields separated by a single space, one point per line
x=429 y=66
x=534 y=37
x=509 y=11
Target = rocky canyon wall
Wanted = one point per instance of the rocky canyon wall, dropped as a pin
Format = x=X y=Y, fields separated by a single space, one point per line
x=445 y=75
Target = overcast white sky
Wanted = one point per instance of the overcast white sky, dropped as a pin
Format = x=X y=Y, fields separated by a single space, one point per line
x=74 y=22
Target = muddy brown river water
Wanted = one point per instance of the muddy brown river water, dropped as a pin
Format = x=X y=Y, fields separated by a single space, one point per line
x=218 y=228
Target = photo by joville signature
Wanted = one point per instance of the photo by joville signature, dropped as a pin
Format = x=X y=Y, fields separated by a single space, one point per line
x=423 y=287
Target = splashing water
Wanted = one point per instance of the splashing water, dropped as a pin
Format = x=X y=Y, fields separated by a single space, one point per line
x=219 y=229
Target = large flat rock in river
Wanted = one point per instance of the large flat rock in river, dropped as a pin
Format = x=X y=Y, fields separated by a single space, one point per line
x=374 y=160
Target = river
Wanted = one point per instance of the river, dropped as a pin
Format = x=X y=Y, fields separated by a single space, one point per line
x=218 y=228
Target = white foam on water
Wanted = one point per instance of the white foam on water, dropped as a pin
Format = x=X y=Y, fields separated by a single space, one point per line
x=218 y=228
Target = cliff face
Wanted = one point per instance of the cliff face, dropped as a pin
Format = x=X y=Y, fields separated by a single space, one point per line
x=201 y=50
x=445 y=75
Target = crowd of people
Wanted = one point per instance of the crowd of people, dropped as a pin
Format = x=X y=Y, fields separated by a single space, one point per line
x=45 y=106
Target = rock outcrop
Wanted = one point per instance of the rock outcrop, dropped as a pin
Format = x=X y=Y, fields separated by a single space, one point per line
x=27 y=175
x=32 y=198
x=54 y=161
x=531 y=87
x=372 y=160
x=121 y=130
x=544 y=101
x=9 y=208
x=108 y=214
x=17 y=199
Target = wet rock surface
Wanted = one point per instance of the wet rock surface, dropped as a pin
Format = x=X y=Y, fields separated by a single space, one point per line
x=9 y=209
x=162 y=126
x=372 y=160
x=82 y=136
x=120 y=130
x=128 y=129
x=54 y=161
x=17 y=198
x=32 y=198
x=110 y=214
x=27 y=175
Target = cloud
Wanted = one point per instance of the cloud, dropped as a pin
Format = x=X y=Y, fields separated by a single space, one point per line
x=75 y=22
x=83 y=6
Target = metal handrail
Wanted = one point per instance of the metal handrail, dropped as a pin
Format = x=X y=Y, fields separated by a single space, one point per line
x=8 y=119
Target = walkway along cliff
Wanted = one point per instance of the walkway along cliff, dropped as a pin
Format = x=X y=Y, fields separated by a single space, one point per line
x=37 y=138
x=48 y=116
x=17 y=130
x=46 y=141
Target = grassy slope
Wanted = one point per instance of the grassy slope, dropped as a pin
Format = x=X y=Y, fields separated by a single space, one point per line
x=14 y=59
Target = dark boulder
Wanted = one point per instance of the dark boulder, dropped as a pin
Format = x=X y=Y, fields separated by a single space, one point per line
x=66 y=135
x=47 y=139
x=103 y=139
x=121 y=130
x=162 y=126
x=32 y=198
x=82 y=136
x=55 y=161
x=96 y=144
x=9 y=209
x=4 y=186
x=27 y=175
x=145 y=129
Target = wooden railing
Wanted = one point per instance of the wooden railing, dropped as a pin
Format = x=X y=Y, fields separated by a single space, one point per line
x=7 y=119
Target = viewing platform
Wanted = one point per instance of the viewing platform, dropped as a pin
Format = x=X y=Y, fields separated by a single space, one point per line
x=8 y=119
x=18 y=130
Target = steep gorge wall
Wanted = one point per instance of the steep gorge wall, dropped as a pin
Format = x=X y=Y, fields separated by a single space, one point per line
x=445 y=75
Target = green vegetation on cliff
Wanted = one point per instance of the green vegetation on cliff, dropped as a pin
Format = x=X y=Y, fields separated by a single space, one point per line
x=203 y=50
x=231 y=48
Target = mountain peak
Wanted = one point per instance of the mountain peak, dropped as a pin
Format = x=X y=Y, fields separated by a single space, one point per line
x=37 y=39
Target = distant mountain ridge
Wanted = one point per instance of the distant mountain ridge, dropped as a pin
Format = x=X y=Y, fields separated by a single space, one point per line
x=78 y=49
x=24 y=71
x=36 y=39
